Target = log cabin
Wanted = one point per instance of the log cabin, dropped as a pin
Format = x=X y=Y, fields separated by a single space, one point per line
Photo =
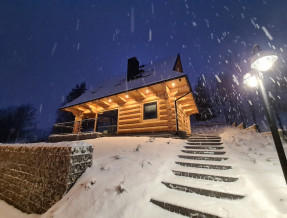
x=155 y=97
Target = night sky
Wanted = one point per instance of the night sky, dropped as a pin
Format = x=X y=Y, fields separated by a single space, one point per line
x=47 y=47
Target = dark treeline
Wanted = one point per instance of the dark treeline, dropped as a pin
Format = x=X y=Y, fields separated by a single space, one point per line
x=63 y=116
x=18 y=124
x=68 y=117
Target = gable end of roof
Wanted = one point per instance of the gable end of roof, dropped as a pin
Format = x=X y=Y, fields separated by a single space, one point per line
x=177 y=65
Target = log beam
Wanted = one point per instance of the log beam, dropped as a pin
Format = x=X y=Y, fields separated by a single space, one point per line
x=122 y=100
x=92 y=107
x=84 y=110
x=74 y=111
x=77 y=124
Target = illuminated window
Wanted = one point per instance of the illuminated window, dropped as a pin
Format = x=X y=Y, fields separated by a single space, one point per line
x=150 y=111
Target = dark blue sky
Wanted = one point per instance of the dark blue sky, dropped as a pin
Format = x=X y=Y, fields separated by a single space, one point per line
x=47 y=47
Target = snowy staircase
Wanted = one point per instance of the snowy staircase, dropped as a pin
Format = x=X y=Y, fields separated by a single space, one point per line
x=188 y=192
x=206 y=166
x=202 y=158
x=204 y=152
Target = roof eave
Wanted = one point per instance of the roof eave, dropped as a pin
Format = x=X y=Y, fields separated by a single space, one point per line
x=181 y=76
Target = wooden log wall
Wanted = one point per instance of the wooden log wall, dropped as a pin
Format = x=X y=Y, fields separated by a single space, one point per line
x=183 y=120
x=130 y=118
x=130 y=109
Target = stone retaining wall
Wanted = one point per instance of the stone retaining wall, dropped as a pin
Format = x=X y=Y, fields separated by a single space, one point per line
x=35 y=177
x=73 y=137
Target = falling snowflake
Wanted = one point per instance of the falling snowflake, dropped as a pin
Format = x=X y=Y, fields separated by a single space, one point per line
x=54 y=49
x=217 y=78
x=132 y=20
x=149 y=35
x=267 y=33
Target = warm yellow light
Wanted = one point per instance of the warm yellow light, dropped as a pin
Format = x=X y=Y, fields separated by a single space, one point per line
x=250 y=80
x=110 y=100
x=264 y=63
x=147 y=91
x=173 y=84
x=127 y=96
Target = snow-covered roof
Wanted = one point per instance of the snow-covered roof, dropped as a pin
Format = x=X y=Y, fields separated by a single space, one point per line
x=159 y=71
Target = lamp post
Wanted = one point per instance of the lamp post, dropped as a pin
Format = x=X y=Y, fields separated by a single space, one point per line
x=261 y=62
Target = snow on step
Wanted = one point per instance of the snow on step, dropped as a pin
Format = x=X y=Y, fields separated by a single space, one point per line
x=205 y=176
x=206 y=161
x=204 y=140
x=201 y=141
x=204 y=137
x=205 y=166
x=203 y=158
x=205 y=192
x=238 y=187
x=204 y=147
x=204 y=152
x=182 y=210
x=213 y=206
x=204 y=143
x=202 y=170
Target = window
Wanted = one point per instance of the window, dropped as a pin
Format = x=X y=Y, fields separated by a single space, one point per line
x=150 y=111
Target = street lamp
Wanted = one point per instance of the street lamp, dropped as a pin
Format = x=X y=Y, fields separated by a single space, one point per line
x=250 y=79
x=262 y=61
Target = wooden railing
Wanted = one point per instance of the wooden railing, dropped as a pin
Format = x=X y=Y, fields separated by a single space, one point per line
x=86 y=125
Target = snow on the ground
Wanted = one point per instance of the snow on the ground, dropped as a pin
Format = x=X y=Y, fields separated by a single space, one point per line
x=8 y=211
x=127 y=172
x=257 y=162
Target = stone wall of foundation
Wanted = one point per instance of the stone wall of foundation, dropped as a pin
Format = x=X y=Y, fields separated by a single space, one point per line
x=34 y=177
x=74 y=137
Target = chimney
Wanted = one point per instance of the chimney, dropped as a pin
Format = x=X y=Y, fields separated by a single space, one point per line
x=133 y=69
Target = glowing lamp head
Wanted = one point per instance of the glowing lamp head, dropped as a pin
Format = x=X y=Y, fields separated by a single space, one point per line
x=147 y=91
x=250 y=80
x=127 y=96
x=110 y=100
x=263 y=60
x=173 y=84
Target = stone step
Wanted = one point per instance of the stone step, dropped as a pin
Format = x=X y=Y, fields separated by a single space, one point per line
x=203 y=147
x=204 y=152
x=204 y=137
x=205 y=176
x=204 y=140
x=203 y=158
x=182 y=210
x=204 y=143
x=239 y=187
x=200 y=170
x=205 y=166
x=205 y=192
